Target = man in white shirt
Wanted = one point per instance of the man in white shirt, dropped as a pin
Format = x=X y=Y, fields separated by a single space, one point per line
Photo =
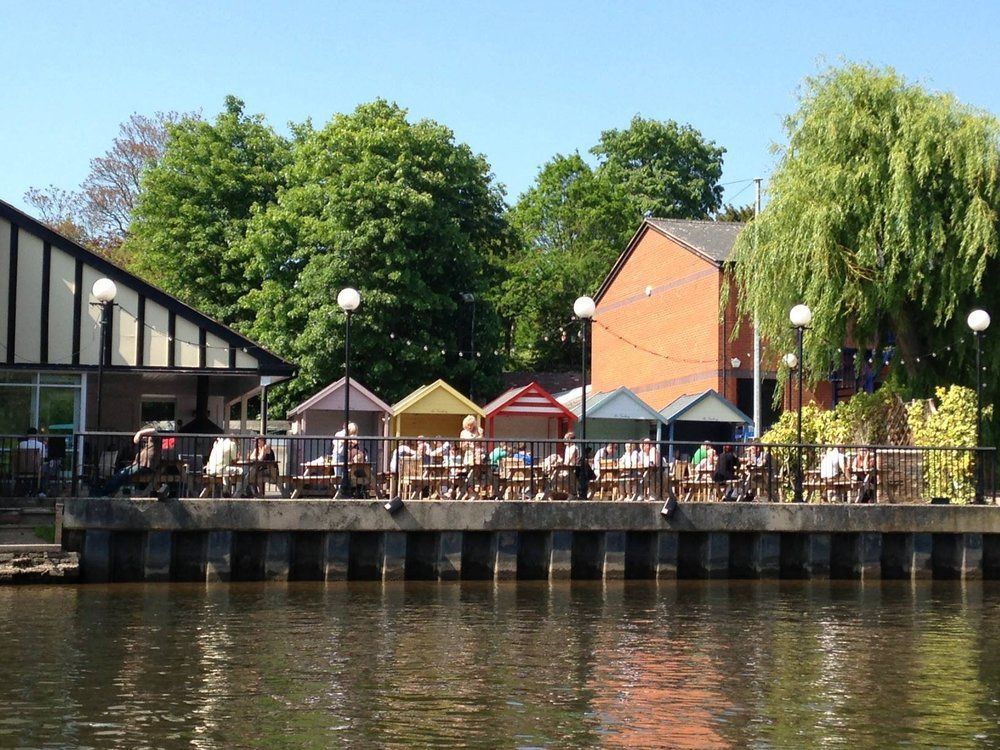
x=220 y=462
x=571 y=453
x=831 y=466
x=649 y=460
x=32 y=443
x=604 y=453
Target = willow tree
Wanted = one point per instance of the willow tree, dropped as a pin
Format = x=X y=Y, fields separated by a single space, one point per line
x=883 y=218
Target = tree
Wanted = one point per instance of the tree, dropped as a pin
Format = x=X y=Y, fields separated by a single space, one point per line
x=729 y=212
x=563 y=221
x=883 y=218
x=411 y=219
x=660 y=168
x=575 y=220
x=100 y=212
x=195 y=205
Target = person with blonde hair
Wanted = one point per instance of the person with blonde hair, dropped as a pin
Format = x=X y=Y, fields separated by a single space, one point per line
x=471 y=432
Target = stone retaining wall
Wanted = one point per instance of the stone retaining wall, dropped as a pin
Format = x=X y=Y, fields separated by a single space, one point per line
x=221 y=540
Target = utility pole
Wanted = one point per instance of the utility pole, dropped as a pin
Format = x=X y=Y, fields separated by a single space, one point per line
x=757 y=427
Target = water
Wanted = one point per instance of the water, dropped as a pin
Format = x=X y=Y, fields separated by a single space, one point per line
x=528 y=665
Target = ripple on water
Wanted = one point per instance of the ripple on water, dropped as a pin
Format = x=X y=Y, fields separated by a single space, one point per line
x=687 y=665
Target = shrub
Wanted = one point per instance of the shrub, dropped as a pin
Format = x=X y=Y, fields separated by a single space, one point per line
x=950 y=422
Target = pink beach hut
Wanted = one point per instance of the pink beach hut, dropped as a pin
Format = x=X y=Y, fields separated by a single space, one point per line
x=323 y=413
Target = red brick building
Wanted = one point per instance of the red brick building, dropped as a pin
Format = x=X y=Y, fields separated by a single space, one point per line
x=660 y=327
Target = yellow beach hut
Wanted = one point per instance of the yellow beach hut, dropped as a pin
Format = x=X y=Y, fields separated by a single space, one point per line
x=431 y=410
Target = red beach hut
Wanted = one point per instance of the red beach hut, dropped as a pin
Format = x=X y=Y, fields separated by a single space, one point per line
x=529 y=412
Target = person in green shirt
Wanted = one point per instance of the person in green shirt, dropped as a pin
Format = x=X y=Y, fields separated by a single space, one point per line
x=700 y=454
x=496 y=454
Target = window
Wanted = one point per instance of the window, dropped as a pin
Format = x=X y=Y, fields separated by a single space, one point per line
x=47 y=401
x=157 y=409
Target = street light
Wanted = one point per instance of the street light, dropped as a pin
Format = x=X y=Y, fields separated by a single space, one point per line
x=792 y=363
x=979 y=321
x=800 y=316
x=470 y=299
x=349 y=300
x=584 y=308
x=104 y=291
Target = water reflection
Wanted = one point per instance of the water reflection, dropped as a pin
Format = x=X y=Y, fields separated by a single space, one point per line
x=687 y=665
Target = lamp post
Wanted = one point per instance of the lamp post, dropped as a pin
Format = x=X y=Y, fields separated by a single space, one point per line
x=792 y=363
x=470 y=299
x=801 y=317
x=104 y=291
x=584 y=308
x=349 y=300
x=979 y=321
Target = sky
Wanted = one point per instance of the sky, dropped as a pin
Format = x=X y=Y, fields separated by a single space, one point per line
x=518 y=81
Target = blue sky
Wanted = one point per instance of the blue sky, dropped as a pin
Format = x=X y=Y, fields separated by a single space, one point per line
x=518 y=81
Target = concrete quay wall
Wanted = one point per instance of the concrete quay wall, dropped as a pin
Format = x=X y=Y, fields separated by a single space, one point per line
x=222 y=540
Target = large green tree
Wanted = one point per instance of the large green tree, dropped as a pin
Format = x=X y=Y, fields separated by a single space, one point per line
x=195 y=203
x=883 y=219
x=563 y=221
x=575 y=220
x=410 y=218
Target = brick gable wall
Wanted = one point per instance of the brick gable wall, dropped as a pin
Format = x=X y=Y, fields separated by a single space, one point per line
x=680 y=319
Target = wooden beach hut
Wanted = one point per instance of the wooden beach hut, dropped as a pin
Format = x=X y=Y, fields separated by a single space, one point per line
x=618 y=415
x=323 y=413
x=703 y=416
x=434 y=409
x=529 y=412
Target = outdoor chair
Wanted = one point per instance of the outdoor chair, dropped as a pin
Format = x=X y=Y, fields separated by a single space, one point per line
x=26 y=469
x=106 y=463
x=606 y=486
x=515 y=479
x=411 y=484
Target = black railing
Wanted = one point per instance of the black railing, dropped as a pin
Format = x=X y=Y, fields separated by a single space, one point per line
x=181 y=465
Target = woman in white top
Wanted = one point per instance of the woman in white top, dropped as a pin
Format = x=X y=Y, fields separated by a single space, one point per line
x=471 y=432
x=630 y=458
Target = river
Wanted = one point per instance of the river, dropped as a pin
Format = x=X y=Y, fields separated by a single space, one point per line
x=691 y=664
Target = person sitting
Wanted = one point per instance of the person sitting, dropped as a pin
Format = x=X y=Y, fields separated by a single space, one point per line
x=439 y=451
x=727 y=467
x=147 y=458
x=403 y=450
x=831 y=468
x=423 y=450
x=259 y=469
x=863 y=461
x=703 y=452
x=650 y=461
x=863 y=468
x=629 y=458
x=220 y=463
x=497 y=454
x=630 y=461
x=47 y=470
x=339 y=445
x=604 y=453
x=706 y=466
x=571 y=451
x=522 y=455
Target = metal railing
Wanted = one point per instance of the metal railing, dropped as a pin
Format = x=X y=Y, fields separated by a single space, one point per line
x=328 y=466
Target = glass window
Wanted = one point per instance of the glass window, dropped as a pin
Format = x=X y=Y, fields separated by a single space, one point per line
x=15 y=409
x=59 y=379
x=9 y=376
x=158 y=410
x=57 y=409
